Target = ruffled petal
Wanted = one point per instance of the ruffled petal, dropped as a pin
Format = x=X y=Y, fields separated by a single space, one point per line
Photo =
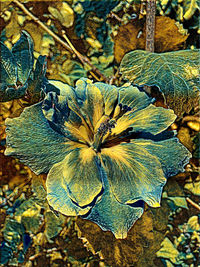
x=151 y=119
x=91 y=101
x=110 y=96
x=58 y=195
x=31 y=139
x=111 y=215
x=171 y=153
x=133 y=173
x=131 y=96
x=64 y=112
x=81 y=176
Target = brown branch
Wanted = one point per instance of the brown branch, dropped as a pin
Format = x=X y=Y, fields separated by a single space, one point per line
x=195 y=205
x=69 y=47
x=85 y=60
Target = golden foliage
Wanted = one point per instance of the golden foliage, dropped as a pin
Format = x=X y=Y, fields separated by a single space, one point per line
x=132 y=36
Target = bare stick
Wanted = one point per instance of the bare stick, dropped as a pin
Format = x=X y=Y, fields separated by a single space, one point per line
x=69 y=47
x=150 y=30
x=84 y=59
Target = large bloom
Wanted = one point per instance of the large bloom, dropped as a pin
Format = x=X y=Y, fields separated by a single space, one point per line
x=107 y=150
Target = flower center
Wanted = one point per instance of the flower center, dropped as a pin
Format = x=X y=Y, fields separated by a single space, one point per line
x=103 y=129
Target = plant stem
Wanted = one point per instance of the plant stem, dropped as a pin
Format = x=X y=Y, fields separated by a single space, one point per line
x=68 y=46
x=150 y=30
x=150 y=24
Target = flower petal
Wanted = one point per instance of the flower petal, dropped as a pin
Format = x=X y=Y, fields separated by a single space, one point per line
x=151 y=119
x=31 y=139
x=110 y=96
x=131 y=96
x=111 y=215
x=58 y=195
x=92 y=106
x=172 y=154
x=133 y=173
x=82 y=176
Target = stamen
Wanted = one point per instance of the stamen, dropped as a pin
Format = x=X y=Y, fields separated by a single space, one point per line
x=123 y=110
x=102 y=131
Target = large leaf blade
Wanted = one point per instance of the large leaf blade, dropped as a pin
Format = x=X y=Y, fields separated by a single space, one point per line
x=8 y=67
x=175 y=73
x=23 y=53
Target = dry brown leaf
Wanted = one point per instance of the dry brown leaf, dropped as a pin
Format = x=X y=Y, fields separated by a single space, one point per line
x=141 y=243
x=132 y=36
x=184 y=137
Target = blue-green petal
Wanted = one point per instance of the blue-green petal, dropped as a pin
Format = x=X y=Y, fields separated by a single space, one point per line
x=134 y=173
x=171 y=153
x=90 y=101
x=131 y=96
x=110 y=96
x=31 y=139
x=58 y=195
x=151 y=119
x=79 y=176
x=113 y=216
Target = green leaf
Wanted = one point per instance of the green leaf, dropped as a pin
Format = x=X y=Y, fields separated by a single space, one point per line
x=8 y=67
x=23 y=53
x=53 y=224
x=175 y=73
x=178 y=202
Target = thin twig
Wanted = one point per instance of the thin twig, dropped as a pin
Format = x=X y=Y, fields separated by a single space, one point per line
x=193 y=203
x=82 y=58
x=42 y=25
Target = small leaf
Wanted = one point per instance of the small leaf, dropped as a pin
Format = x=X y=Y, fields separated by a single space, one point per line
x=64 y=13
x=178 y=202
x=175 y=73
x=193 y=223
x=53 y=224
x=168 y=251
x=193 y=187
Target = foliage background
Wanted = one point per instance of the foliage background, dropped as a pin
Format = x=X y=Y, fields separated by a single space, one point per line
x=32 y=234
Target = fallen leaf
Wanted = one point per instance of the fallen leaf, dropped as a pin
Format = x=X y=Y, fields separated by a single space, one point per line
x=132 y=36
x=184 y=137
x=138 y=248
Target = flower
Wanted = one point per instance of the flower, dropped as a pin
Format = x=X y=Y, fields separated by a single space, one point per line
x=106 y=149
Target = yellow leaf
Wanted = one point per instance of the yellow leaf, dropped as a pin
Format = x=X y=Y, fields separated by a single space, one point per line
x=132 y=36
